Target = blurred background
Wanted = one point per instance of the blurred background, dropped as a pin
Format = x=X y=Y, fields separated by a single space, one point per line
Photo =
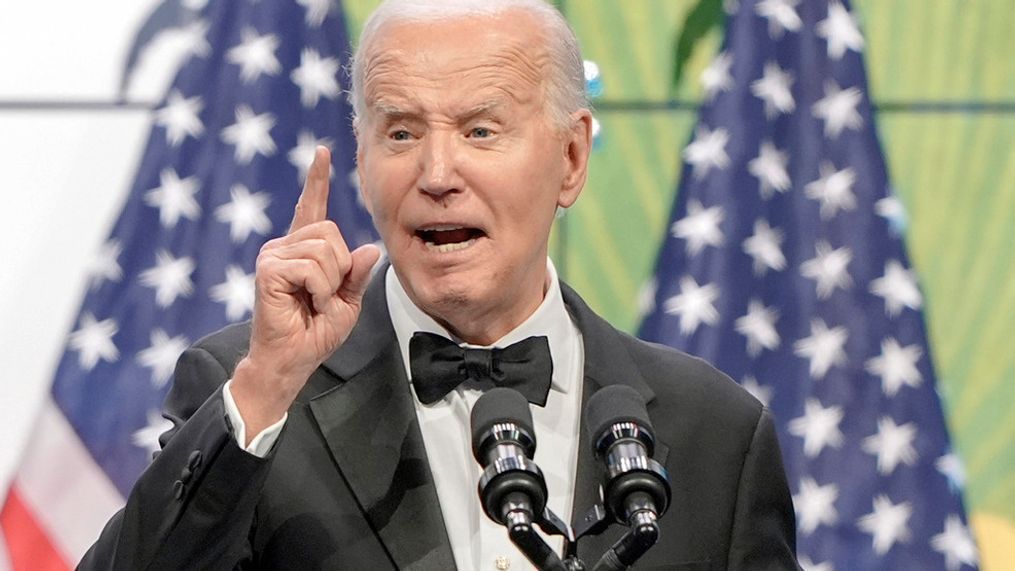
x=942 y=83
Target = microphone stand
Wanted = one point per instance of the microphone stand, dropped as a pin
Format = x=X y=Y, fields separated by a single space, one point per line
x=642 y=534
x=513 y=491
x=518 y=518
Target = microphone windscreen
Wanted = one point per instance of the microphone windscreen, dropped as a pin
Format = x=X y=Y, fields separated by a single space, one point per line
x=613 y=404
x=499 y=405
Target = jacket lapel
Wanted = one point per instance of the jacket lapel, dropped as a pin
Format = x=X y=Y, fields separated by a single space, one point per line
x=386 y=466
x=369 y=423
x=607 y=362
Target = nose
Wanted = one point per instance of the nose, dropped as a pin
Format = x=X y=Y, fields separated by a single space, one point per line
x=438 y=164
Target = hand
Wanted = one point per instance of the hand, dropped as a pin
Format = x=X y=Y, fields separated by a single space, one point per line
x=308 y=293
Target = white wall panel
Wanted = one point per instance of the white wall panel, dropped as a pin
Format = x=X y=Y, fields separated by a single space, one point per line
x=64 y=173
x=66 y=49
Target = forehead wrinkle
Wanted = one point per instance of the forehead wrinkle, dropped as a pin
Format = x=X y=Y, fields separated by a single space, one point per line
x=512 y=68
x=379 y=67
x=530 y=67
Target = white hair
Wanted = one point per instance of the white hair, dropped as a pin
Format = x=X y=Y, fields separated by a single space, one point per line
x=565 y=81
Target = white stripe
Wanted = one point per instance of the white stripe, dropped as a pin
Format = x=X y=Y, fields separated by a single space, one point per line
x=69 y=495
x=5 y=562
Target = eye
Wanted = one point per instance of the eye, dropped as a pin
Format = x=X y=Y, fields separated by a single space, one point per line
x=480 y=132
x=400 y=135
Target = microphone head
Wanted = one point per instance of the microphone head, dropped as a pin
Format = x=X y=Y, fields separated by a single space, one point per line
x=496 y=406
x=613 y=404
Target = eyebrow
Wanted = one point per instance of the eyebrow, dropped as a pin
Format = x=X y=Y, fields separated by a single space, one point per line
x=390 y=111
x=482 y=108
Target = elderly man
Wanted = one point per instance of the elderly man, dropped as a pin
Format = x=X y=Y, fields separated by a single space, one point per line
x=310 y=438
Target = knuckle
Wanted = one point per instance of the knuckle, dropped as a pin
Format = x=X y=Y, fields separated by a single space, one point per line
x=344 y=261
x=266 y=261
x=305 y=266
x=323 y=228
x=269 y=246
x=319 y=247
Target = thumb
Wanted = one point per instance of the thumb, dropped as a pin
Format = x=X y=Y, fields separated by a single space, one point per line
x=356 y=281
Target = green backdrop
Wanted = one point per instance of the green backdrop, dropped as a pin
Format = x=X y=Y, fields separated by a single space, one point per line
x=942 y=75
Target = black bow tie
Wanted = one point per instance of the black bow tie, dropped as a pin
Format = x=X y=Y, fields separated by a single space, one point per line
x=439 y=365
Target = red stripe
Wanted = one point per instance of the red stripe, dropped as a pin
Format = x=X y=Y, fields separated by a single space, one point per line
x=28 y=546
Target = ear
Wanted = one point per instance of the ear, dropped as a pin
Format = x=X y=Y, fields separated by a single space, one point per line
x=359 y=172
x=577 y=147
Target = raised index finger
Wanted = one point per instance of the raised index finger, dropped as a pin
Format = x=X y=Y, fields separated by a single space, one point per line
x=313 y=203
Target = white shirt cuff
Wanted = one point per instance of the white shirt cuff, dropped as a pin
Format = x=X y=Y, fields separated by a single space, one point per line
x=261 y=443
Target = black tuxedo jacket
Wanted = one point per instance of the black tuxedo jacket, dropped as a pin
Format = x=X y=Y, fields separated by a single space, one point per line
x=348 y=486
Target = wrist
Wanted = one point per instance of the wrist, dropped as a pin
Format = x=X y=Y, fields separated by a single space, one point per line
x=261 y=397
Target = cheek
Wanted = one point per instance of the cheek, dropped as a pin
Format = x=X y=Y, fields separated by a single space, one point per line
x=382 y=192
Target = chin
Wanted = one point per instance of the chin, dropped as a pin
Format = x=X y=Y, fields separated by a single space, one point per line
x=447 y=297
x=431 y=289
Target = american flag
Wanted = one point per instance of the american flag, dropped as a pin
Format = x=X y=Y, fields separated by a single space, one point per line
x=784 y=265
x=221 y=174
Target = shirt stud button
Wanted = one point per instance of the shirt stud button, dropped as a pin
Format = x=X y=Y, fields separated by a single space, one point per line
x=502 y=563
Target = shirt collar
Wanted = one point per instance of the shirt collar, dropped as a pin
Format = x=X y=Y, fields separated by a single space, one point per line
x=550 y=319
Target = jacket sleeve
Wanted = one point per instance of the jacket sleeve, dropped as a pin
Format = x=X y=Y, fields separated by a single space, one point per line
x=764 y=524
x=193 y=508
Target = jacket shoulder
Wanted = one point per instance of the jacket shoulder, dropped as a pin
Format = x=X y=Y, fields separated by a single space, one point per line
x=680 y=383
x=678 y=377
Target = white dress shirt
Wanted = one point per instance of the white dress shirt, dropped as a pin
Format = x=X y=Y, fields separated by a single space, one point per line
x=477 y=542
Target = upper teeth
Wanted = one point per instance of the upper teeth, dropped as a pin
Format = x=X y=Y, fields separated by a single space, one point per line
x=442 y=228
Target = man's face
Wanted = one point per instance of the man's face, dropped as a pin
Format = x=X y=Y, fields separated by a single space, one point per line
x=462 y=168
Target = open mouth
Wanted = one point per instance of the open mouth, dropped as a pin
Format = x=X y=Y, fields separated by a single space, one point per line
x=449 y=238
